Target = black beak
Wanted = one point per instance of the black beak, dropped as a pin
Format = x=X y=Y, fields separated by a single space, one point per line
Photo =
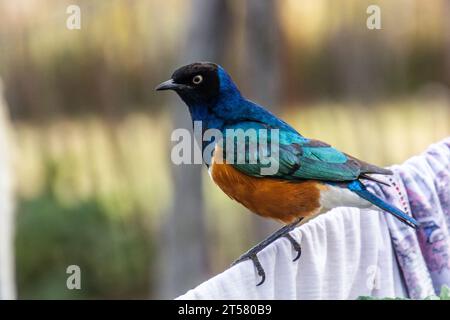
x=167 y=85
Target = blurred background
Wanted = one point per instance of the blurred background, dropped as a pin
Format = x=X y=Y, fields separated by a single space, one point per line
x=89 y=139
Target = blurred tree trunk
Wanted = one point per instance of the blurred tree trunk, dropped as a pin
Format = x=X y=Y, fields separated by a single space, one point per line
x=184 y=246
x=356 y=56
x=263 y=67
x=7 y=286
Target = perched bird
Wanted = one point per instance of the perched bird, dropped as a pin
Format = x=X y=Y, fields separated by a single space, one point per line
x=312 y=178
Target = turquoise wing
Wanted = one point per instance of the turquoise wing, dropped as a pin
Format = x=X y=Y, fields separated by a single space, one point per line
x=295 y=158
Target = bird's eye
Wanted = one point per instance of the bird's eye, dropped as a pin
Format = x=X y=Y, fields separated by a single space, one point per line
x=197 y=79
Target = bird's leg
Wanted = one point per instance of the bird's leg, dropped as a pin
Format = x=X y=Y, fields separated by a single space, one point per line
x=252 y=253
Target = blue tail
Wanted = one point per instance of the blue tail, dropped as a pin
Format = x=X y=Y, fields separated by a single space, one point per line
x=358 y=188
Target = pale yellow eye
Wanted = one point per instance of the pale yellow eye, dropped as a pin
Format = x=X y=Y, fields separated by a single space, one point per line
x=197 y=79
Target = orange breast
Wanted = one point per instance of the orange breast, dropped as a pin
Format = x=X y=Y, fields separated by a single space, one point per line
x=274 y=198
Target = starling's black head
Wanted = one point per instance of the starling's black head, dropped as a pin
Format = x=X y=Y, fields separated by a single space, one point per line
x=195 y=83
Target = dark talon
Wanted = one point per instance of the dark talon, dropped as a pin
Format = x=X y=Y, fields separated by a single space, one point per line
x=252 y=253
x=259 y=268
x=295 y=245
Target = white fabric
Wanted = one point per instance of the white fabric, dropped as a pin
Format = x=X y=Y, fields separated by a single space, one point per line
x=346 y=253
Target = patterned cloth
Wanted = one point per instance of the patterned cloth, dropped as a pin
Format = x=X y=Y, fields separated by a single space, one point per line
x=422 y=187
x=348 y=253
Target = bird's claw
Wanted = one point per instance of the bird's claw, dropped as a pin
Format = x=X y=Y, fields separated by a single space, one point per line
x=259 y=269
x=252 y=253
x=254 y=258
x=295 y=245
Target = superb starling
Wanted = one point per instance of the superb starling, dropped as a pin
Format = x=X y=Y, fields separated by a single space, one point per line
x=312 y=176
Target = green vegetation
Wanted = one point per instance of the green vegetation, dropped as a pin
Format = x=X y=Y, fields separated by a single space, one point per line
x=444 y=295
x=113 y=254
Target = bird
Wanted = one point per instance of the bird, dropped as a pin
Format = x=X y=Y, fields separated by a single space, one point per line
x=312 y=178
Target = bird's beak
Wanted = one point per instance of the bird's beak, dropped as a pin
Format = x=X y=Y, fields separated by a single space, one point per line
x=167 y=85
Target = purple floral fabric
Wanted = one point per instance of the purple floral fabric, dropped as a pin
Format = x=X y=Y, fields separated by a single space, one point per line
x=421 y=187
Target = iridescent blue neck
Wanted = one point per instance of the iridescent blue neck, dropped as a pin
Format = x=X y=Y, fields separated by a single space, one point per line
x=228 y=90
x=214 y=113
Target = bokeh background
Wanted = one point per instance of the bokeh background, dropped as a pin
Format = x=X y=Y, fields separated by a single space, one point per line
x=94 y=183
